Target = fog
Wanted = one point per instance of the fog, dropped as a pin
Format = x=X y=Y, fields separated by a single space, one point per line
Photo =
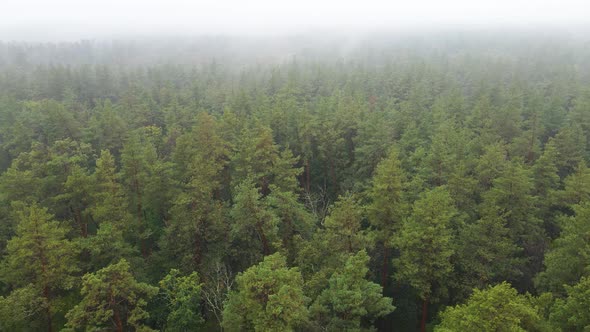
x=66 y=20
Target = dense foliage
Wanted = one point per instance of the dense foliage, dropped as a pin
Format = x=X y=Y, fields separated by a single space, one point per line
x=441 y=185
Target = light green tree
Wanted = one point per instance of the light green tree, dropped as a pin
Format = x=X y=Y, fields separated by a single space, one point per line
x=113 y=300
x=110 y=213
x=343 y=225
x=269 y=297
x=425 y=245
x=569 y=257
x=571 y=313
x=388 y=205
x=197 y=221
x=39 y=257
x=183 y=296
x=350 y=298
x=497 y=308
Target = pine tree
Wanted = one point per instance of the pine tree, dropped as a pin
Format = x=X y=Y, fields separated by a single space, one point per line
x=19 y=310
x=577 y=187
x=183 y=297
x=497 y=308
x=343 y=226
x=255 y=226
x=511 y=199
x=295 y=223
x=486 y=254
x=568 y=259
x=39 y=255
x=388 y=205
x=76 y=196
x=112 y=299
x=571 y=313
x=350 y=298
x=197 y=217
x=259 y=158
x=147 y=181
x=269 y=297
x=110 y=213
x=546 y=184
x=425 y=245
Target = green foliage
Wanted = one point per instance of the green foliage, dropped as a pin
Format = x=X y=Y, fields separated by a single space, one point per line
x=571 y=313
x=569 y=257
x=196 y=212
x=258 y=158
x=39 y=263
x=110 y=213
x=425 y=243
x=254 y=225
x=497 y=308
x=388 y=205
x=350 y=298
x=112 y=299
x=577 y=186
x=511 y=199
x=39 y=253
x=462 y=160
x=486 y=254
x=20 y=309
x=343 y=226
x=269 y=297
x=183 y=296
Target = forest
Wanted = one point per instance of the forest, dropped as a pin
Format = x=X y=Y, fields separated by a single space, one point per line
x=385 y=184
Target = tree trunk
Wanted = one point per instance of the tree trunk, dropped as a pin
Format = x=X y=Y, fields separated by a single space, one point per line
x=77 y=214
x=531 y=153
x=384 y=266
x=83 y=225
x=46 y=294
x=197 y=250
x=48 y=310
x=264 y=189
x=116 y=315
x=265 y=246
x=139 y=211
x=439 y=173
x=118 y=321
x=307 y=175
x=333 y=176
x=424 y=315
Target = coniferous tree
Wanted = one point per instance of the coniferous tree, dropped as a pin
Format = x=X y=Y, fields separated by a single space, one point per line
x=40 y=258
x=567 y=260
x=112 y=299
x=268 y=297
x=183 y=297
x=571 y=313
x=388 y=206
x=350 y=298
x=426 y=246
x=497 y=308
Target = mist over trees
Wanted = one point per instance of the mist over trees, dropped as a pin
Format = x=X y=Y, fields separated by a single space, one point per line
x=402 y=182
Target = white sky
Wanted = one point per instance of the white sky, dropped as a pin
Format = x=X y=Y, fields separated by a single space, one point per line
x=67 y=19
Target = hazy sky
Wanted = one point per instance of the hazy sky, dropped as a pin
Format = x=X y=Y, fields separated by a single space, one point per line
x=74 y=19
